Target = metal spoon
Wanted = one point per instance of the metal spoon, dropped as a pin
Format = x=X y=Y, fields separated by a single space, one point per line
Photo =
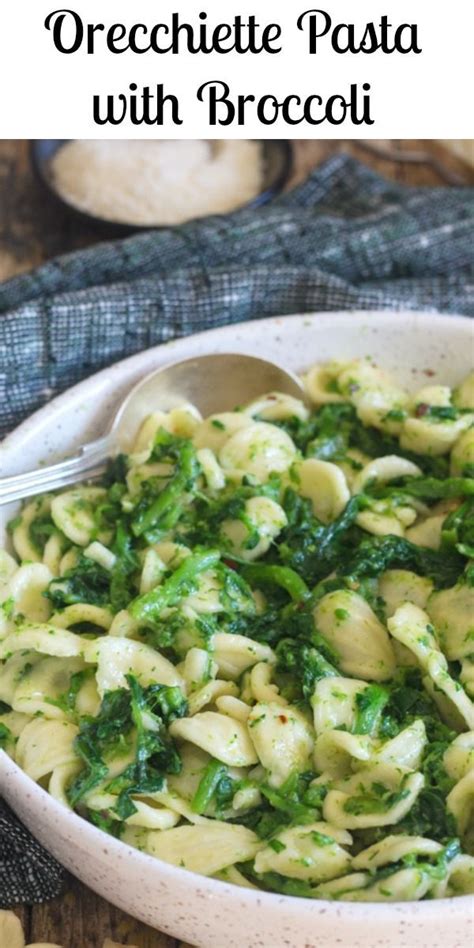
x=213 y=383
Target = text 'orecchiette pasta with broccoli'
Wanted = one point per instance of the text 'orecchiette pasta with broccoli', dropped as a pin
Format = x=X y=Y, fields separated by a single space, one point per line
x=249 y=649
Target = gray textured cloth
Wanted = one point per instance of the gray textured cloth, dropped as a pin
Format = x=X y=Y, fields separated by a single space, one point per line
x=346 y=239
x=27 y=872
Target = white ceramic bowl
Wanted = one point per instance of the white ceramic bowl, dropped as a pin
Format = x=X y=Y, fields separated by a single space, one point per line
x=209 y=914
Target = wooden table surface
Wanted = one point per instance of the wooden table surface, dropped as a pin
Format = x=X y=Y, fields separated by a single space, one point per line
x=32 y=230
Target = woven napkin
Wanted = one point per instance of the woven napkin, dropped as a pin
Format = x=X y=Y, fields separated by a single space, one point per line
x=345 y=239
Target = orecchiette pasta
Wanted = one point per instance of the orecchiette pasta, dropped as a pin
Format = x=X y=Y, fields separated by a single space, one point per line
x=249 y=651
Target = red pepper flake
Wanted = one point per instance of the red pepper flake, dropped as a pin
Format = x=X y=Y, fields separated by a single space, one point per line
x=231 y=564
x=283 y=718
x=421 y=409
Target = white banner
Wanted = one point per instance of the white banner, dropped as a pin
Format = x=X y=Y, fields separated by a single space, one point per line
x=271 y=68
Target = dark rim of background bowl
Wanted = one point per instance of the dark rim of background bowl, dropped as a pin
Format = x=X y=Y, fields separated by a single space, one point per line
x=42 y=150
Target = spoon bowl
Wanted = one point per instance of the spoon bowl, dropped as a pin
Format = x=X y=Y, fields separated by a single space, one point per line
x=213 y=383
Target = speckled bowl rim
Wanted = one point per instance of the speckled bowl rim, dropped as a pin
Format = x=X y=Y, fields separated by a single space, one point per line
x=457 y=908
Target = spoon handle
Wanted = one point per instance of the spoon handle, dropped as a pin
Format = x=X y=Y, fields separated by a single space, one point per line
x=89 y=463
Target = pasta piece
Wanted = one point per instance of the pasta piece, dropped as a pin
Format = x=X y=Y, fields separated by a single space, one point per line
x=215 y=431
x=277 y=406
x=184 y=420
x=147 y=815
x=11 y=932
x=325 y=485
x=263 y=517
x=124 y=626
x=46 y=639
x=172 y=553
x=39 y=690
x=466 y=676
x=394 y=849
x=343 y=887
x=68 y=561
x=100 y=554
x=222 y=737
x=458 y=759
x=233 y=707
x=210 y=693
x=261 y=686
x=427 y=533
x=12 y=670
x=452 y=613
x=380 y=795
x=194 y=760
x=108 y=943
x=53 y=551
x=148 y=431
x=153 y=570
x=384 y=469
x=232 y=875
x=354 y=460
x=44 y=745
x=426 y=434
x=206 y=599
x=459 y=879
x=397 y=586
x=246 y=799
x=338 y=753
x=411 y=626
x=233 y=654
x=378 y=401
x=355 y=634
x=380 y=522
x=8 y=567
x=406 y=885
x=257 y=451
x=73 y=513
x=462 y=455
x=26 y=589
x=205 y=849
x=406 y=749
x=21 y=538
x=334 y=703
x=13 y=722
x=61 y=779
x=135 y=836
x=463 y=395
x=321 y=383
x=198 y=668
x=282 y=738
x=460 y=802
x=314 y=852
x=213 y=473
x=116 y=658
x=181 y=421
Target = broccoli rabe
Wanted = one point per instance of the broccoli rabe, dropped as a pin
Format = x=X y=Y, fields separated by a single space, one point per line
x=129 y=720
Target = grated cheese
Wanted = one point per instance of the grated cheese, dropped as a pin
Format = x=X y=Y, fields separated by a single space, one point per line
x=157 y=182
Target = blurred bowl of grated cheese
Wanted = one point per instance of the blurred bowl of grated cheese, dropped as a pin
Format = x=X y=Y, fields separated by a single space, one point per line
x=130 y=185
